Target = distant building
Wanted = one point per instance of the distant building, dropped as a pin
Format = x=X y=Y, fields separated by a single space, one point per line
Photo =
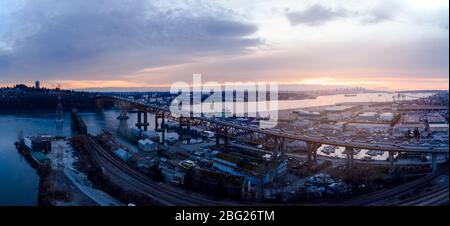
x=401 y=129
x=339 y=112
x=331 y=128
x=122 y=154
x=368 y=127
x=387 y=116
x=439 y=128
x=37 y=85
x=422 y=108
x=307 y=114
x=147 y=145
x=368 y=116
x=40 y=143
x=435 y=118
x=411 y=119
x=151 y=135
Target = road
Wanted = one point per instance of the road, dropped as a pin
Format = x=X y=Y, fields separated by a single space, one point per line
x=97 y=196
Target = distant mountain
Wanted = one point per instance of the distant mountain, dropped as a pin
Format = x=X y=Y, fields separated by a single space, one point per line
x=311 y=87
x=281 y=87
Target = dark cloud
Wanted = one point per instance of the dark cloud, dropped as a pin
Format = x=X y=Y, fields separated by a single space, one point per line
x=315 y=15
x=60 y=39
x=379 y=13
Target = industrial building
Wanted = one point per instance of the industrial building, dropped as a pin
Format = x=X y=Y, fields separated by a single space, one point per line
x=368 y=127
x=339 y=112
x=307 y=114
x=147 y=145
x=368 y=116
x=387 y=116
x=255 y=168
x=40 y=143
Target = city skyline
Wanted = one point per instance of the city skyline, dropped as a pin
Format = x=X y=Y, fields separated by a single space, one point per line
x=395 y=45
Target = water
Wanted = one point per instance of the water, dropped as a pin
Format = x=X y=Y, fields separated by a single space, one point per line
x=319 y=101
x=335 y=99
x=19 y=182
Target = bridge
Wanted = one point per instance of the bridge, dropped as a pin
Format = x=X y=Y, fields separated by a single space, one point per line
x=274 y=139
x=78 y=122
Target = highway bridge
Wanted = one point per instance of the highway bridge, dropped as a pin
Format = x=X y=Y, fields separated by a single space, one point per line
x=274 y=139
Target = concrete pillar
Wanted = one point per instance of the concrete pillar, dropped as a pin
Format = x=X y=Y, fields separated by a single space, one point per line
x=226 y=137
x=145 y=121
x=217 y=137
x=315 y=153
x=275 y=146
x=283 y=147
x=163 y=129
x=309 y=152
x=349 y=151
x=156 y=121
x=139 y=120
x=391 y=163
x=434 y=162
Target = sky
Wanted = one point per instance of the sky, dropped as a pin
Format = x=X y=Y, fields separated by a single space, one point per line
x=82 y=44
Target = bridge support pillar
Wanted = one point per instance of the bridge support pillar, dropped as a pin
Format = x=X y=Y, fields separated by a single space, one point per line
x=139 y=123
x=308 y=154
x=311 y=151
x=185 y=128
x=350 y=157
x=434 y=162
x=156 y=121
x=160 y=115
x=139 y=120
x=145 y=121
x=283 y=147
x=315 y=154
x=391 y=163
x=163 y=129
x=225 y=138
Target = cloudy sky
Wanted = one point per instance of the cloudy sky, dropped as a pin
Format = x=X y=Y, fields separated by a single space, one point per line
x=137 y=43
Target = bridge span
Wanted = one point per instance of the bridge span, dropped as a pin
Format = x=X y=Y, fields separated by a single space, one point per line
x=273 y=139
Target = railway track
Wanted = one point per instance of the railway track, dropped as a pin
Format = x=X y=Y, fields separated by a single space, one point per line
x=162 y=193
x=435 y=197
x=386 y=197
